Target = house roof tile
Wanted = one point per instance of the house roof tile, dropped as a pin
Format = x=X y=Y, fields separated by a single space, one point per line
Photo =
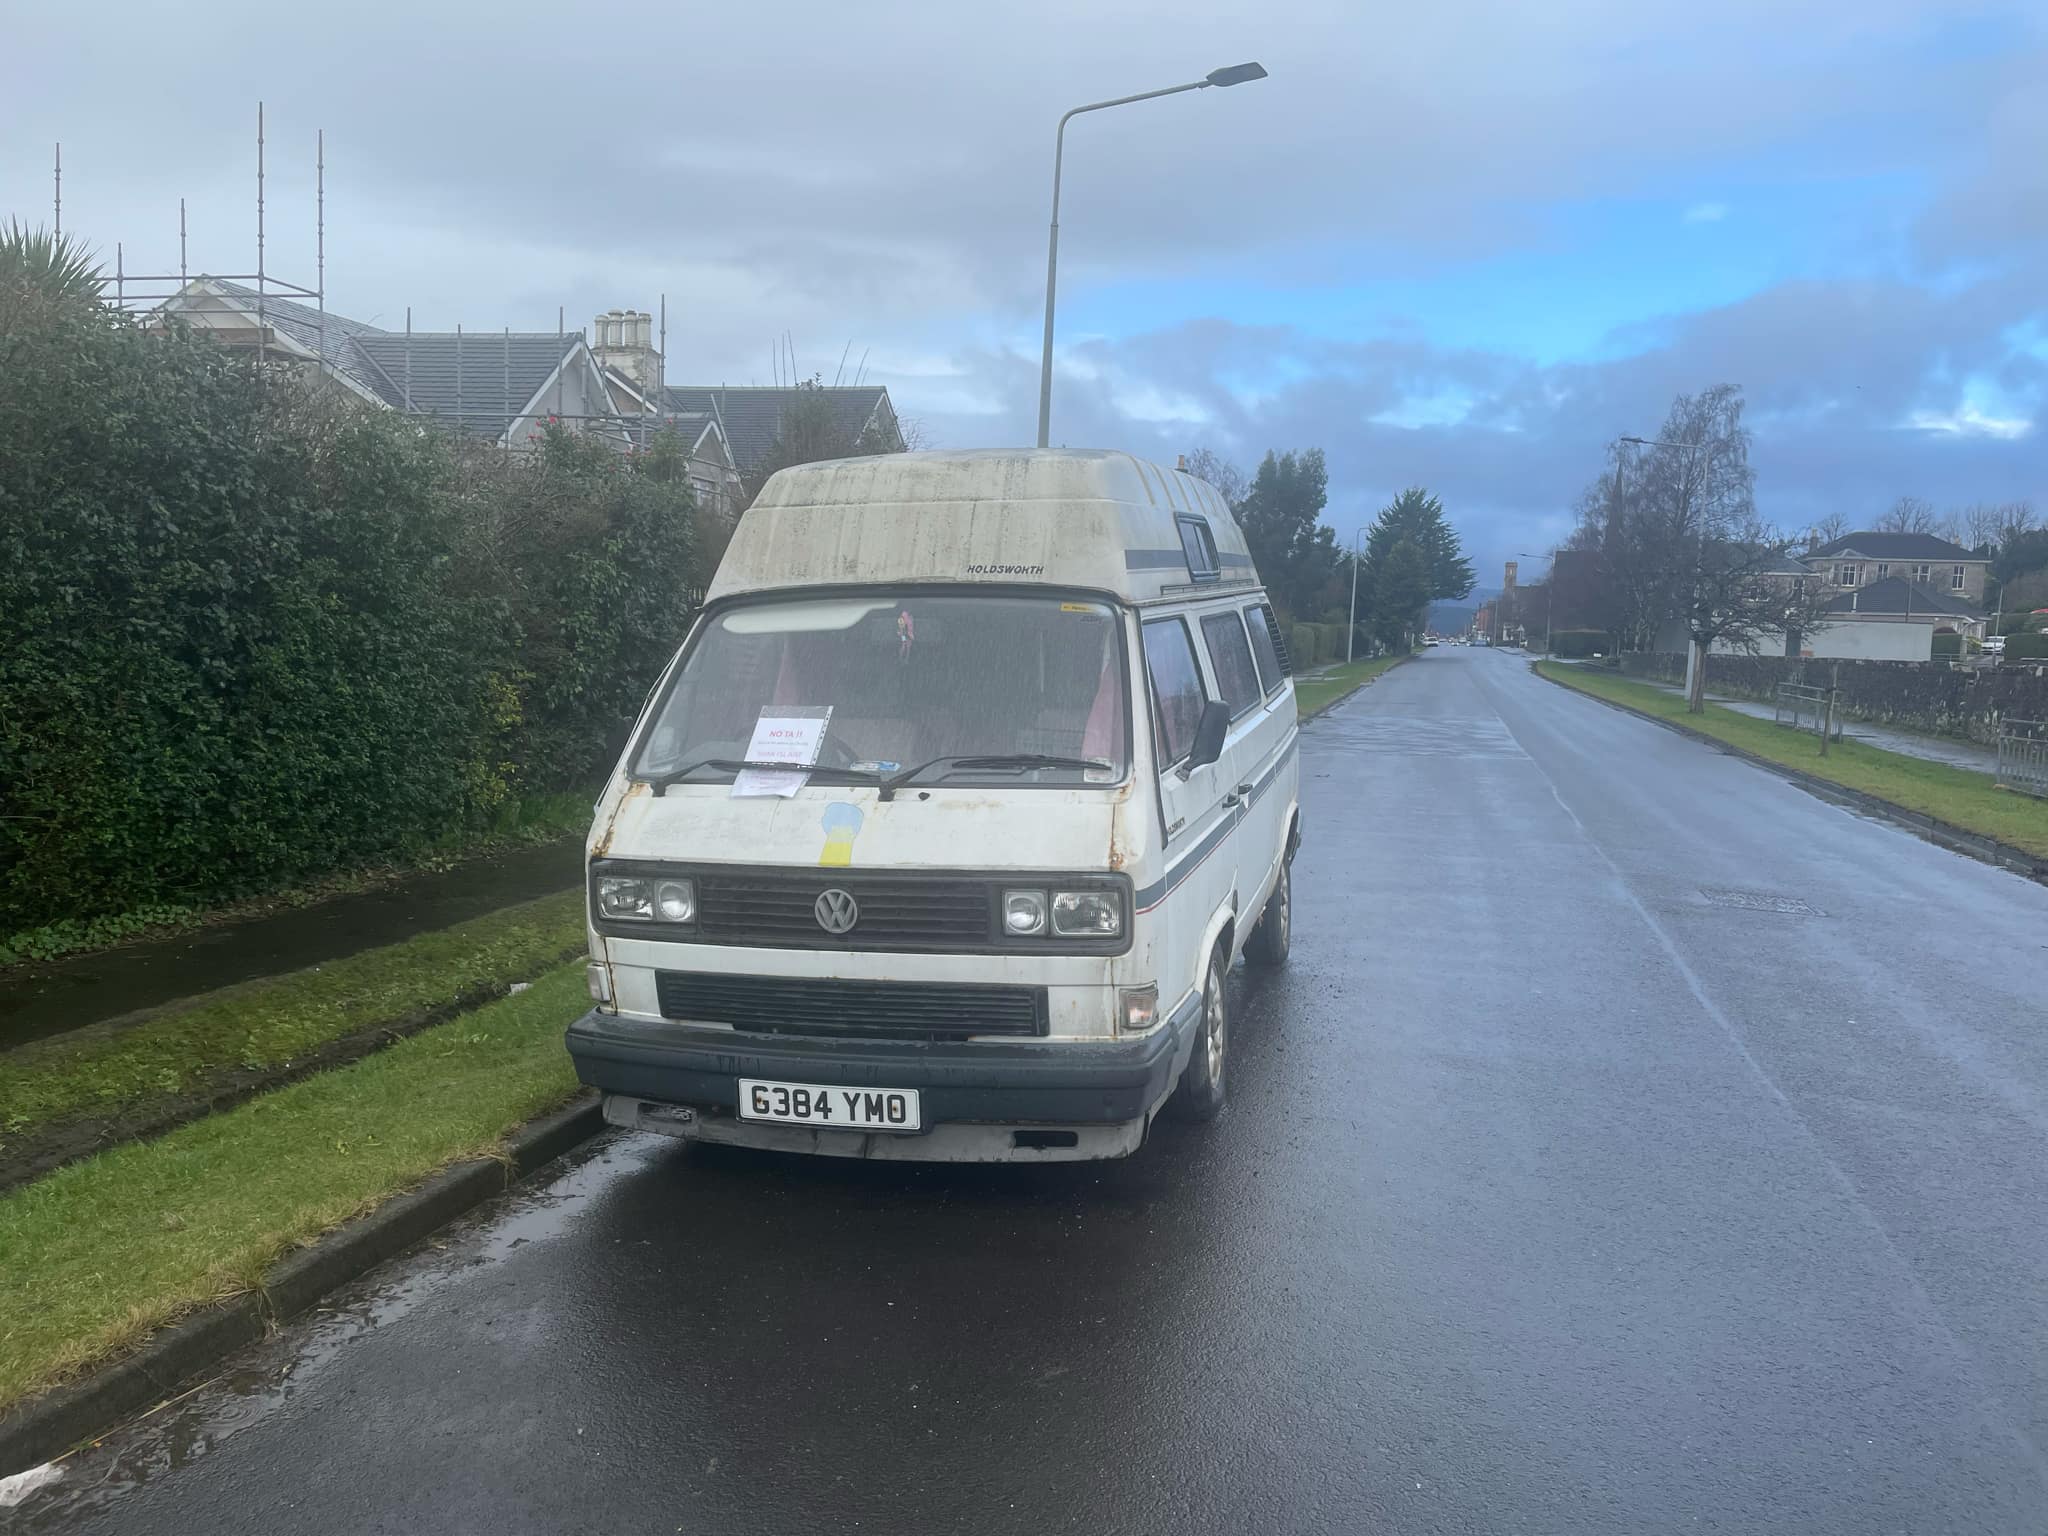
x=1893 y=546
x=1895 y=595
x=752 y=416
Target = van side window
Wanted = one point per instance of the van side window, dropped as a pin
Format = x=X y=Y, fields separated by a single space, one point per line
x=1176 y=687
x=1272 y=671
x=1232 y=659
x=1199 y=545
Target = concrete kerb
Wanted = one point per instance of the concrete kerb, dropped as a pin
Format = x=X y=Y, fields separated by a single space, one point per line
x=46 y=1427
x=1941 y=833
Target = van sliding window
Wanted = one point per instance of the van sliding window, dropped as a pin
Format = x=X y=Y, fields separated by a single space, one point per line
x=1199 y=545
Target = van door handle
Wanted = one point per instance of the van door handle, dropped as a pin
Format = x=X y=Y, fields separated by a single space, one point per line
x=1237 y=794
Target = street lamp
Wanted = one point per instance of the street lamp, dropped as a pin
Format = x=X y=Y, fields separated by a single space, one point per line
x=1235 y=74
x=1351 y=629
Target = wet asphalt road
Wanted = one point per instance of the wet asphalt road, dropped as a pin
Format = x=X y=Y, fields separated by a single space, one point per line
x=1635 y=1143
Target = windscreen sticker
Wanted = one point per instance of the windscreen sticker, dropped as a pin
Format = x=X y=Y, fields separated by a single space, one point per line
x=842 y=823
x=783 y=733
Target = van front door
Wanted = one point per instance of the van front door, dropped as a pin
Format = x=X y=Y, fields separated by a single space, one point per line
x=1200 y=804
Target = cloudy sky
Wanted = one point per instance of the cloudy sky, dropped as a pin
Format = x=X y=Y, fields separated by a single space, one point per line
x=1459 y=245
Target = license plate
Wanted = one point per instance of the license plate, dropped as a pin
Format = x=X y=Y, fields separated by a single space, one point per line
x=829 y=1108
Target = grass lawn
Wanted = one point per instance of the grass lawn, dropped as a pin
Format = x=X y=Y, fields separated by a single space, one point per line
x=268 y=1024
x=1954 y=795
x=1317 y=692
x=101 y=1252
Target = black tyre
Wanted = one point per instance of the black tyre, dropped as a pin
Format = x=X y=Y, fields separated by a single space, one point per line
x=1270 y=941
x=1203 y=1082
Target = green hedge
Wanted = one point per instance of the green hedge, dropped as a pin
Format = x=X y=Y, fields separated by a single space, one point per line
x=1946 y=647
x=2027 y=647
x=248 y=634
x=1581 y=642
x=1304 y=647
x=2022 y=623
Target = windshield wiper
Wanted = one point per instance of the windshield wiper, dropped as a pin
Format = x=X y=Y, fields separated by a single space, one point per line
x=989 y=760
x=661 y=781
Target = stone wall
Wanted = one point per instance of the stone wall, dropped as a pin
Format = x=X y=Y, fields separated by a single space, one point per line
x=1914 y=695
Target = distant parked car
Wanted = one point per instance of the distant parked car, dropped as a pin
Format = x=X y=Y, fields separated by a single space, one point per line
x=1995 y=646
x=1432 y=640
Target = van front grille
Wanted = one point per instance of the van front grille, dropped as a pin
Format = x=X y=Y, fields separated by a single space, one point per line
x=775 y=909
x=873 y=1010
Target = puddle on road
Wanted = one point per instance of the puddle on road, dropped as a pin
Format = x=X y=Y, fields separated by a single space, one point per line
x=264 y=1378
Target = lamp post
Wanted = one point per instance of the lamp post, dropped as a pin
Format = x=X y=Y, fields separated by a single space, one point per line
x=1235 y=74
x=1549 y=592
x=1351 y=629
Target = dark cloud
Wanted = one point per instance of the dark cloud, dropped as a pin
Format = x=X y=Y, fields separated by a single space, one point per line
x=1835 y=375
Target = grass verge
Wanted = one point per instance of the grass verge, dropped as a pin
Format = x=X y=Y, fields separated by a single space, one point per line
x=1954 y=795
x=100 y=1253
x=536 y=819
x=1318 y=693
x=268 y=1025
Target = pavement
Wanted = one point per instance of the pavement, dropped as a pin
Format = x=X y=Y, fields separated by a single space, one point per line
x=1933 y=749
x=44 y=998
x=1635 y=1143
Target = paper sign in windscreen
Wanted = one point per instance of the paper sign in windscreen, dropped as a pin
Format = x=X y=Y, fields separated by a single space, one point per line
x=785 y=733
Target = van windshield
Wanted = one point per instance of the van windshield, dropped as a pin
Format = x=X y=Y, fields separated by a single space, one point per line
x=909 y=680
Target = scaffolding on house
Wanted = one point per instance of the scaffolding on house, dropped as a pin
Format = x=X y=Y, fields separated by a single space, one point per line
x=151 y=292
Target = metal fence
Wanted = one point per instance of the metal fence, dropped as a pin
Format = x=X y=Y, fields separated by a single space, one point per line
x=2023 y=756
x=1805 y=708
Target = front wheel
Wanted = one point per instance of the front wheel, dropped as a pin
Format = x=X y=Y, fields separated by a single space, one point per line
x=1270 y=941
x=1201 y=1091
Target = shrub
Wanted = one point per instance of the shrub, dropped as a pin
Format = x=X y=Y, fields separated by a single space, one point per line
x=2032 y=646
x=248 y=634
x=1301 y=644
x=1581 y=642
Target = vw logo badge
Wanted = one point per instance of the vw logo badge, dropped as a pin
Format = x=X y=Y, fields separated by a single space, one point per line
x=837 y=911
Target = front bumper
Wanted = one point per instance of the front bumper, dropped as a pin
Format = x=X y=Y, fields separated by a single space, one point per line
x=1037 y=1082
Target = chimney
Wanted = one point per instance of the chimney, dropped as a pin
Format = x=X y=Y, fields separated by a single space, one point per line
x=625 y=344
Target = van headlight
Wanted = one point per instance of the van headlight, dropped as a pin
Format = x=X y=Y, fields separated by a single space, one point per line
x=1023 y=913
x=646 y=899
x=1088 y=914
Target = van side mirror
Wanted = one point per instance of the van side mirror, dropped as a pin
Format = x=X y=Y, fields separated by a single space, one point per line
x=1209 y=734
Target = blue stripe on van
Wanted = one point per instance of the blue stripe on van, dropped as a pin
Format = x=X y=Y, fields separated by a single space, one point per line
x=1155 y=560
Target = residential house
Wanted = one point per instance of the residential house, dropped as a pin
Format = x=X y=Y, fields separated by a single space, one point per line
x=632 y=368
x=1887 y=596
x=862 y=416
x=1861 y=560
x=501 y=386
x=1893 y=593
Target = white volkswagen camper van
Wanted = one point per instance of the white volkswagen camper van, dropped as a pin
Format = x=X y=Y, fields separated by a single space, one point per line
x=935 y=841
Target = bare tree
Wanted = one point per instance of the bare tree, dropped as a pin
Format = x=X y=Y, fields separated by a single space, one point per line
x=1701 y=554
x=1980 y=524
x=2015 y=519
x=1827 y=529
x=1910 y=514
x=1636 y=578
x=1207 y=464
